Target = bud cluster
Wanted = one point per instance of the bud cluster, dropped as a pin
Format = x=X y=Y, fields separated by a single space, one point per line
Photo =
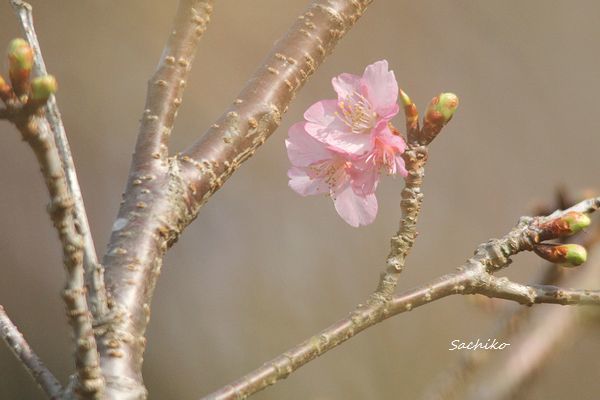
x=568 y=255
x=23 y=89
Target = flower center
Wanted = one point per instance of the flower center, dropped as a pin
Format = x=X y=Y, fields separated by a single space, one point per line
x=384 y=157
x=332 y=172
x=357 y=113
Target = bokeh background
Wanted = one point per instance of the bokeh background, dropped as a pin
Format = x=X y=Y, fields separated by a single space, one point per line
x=262 y=268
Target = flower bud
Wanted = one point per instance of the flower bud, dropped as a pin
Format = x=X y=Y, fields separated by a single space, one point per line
x=568 y=255
x=5 y=90
x=42 y=88
x=442 y=107
x=20 y=62
x=410 y=112
x=439 y=112
x=568 y=224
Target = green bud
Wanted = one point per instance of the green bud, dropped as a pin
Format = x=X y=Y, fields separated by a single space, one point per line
x=406 y=101
x=20 y=62
x=576 y=254
x=42 y=88
x=442 y=108
x=577 y=221
x=568 y=255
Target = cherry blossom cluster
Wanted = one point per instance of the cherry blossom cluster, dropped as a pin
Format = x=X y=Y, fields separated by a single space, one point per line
x=344 y=145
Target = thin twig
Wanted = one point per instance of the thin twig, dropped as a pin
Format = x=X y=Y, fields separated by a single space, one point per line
x=415 y=158
x=360 y=319
x=448 y=385
x=32 y=363
x=36 y=132
x=473 y=277
x=531 y=349
x=94 y=273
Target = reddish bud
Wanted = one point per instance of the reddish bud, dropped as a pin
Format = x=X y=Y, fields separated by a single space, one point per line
x=6 y=92
x=568 y=255
x=567 y=225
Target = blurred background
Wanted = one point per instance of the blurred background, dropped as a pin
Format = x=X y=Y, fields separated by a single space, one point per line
x=261 y=268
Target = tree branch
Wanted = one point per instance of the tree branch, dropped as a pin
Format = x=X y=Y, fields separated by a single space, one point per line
x=94 y=271
x=165 y=87
x=363 y=317
x=32 y=363
x=258 y=109
x=448 y=385
x=37 y=134
x=531 y=349
x=473 y=277
x=152 y=210
x=164 y=195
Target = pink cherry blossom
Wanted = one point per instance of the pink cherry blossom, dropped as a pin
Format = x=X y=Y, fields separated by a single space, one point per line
x=363 y=103
x=344 y=145
x=319 y=169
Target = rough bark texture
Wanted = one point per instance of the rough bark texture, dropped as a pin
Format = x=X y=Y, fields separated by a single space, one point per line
x=37 y=134
x=164 y=194
x=93 y=270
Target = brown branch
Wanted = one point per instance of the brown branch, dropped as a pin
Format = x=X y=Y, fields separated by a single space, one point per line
x=360 y=319
x=164 y=195
x=36 y=132
x=258 y=109
x=531 y=349
x=151 y=210
x=94 y=271
x=32 y=363
x=473 y=277
x=450 y=382
x=415 y=157
x=166 y=86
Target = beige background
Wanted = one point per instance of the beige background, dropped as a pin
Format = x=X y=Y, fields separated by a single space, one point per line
x=262 y=268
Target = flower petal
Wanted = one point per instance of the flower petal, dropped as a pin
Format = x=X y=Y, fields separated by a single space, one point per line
x=304 y=185
x=324 y=125
x=322 y=112
x=350 y=143
x=379 y=85
x=345 y=85
x=385 y=135
x=302 y=148
x=355 y=209
x=365 y=177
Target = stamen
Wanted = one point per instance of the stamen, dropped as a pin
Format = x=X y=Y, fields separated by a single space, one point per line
x=356 y=113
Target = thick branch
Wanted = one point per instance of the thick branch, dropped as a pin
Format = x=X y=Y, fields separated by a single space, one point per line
x=165 y=87
x=97 y=292
x=37 y=134
x=258 y=109
x=164 y=195
x=152 y=211
x=32 y=363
